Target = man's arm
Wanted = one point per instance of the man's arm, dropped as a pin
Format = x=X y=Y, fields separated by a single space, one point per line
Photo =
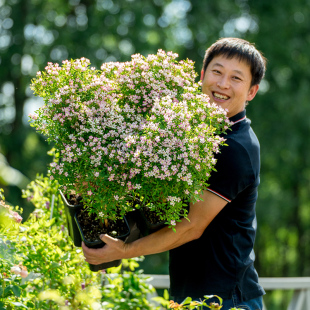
x=200 y=215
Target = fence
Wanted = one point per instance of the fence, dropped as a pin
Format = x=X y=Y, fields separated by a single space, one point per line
x=301 y=287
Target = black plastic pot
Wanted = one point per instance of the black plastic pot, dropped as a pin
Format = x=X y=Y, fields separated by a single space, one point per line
x=135 y=232
x=70 y=211
x=144 y=225
x=99 y=244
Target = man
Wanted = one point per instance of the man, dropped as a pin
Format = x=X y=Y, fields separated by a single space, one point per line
x=213 y=252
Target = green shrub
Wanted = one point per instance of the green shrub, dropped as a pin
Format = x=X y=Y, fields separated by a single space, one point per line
x=55 y=275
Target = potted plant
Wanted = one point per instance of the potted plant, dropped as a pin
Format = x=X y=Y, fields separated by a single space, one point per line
x=85 y=227
x=135 y=131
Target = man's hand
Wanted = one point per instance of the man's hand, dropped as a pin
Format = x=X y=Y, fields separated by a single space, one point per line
x=113 y=249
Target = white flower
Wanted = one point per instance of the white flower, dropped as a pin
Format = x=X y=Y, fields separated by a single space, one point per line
x=15 y=269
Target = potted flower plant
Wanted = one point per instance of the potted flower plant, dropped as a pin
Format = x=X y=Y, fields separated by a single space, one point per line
x=139 y=131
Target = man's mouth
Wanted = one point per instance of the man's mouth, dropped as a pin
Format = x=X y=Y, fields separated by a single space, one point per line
x=220 y=96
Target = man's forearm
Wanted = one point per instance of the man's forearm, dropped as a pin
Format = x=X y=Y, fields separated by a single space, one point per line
x=163 y=240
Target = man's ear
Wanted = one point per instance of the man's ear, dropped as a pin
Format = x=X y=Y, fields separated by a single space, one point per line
x=201 y=75
x=252 y=92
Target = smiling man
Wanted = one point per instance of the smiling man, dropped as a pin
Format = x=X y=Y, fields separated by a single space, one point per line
x=212 y=254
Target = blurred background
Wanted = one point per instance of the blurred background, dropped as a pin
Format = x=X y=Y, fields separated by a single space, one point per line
x=34 y=32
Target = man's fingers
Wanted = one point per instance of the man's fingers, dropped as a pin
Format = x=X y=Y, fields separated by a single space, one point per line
x=107 y=239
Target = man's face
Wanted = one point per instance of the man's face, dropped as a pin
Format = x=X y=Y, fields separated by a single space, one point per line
x=228 y=84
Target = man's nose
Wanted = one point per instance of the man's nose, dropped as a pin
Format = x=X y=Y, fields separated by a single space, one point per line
x=223 y=82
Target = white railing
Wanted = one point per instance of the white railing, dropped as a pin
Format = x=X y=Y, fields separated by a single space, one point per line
x=301 y=287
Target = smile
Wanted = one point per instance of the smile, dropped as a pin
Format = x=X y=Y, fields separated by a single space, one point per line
x=220 y=96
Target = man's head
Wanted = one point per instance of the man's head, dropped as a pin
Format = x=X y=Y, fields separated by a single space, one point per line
x=232 y=71
x=240 y=49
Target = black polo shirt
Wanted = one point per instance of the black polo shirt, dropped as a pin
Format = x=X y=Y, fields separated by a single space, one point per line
x=221 y=260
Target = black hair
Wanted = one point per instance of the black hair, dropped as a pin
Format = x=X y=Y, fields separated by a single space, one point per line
x=243 y=51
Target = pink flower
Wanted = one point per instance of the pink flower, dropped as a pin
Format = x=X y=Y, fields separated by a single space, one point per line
x=33 y=116
x=17 y=218
x=24 y=273
x=89 y=193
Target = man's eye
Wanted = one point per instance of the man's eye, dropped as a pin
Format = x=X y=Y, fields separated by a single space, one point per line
x=216 y=71
x=236 y=78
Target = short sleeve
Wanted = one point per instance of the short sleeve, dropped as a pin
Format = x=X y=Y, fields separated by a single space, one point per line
x=233 y=171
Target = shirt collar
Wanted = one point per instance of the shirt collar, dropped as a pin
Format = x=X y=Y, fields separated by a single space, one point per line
x=238 y=117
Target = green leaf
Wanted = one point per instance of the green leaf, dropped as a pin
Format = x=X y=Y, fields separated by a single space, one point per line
x=50 y=222
x=54 y=265
x=115 y=269
x=16 y=290
x=7 y=290
x=166 y=294
x=161 y=300
x=187 y=300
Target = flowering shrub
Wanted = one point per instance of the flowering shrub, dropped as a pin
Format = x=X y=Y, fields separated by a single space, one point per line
x=135 y=129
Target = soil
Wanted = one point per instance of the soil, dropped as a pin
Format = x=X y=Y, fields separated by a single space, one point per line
x=151 y=217
x=92 y=228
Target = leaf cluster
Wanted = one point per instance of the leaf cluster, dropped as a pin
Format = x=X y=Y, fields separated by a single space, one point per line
x=58 y=276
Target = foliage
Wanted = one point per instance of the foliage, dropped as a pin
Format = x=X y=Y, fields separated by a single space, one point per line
x=189 y=304
x=58 y=277
x=135 y=129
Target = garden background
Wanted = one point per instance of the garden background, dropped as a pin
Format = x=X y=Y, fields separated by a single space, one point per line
x=33 y=32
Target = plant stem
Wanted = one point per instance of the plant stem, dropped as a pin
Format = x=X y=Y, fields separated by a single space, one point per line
x=3 y=288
